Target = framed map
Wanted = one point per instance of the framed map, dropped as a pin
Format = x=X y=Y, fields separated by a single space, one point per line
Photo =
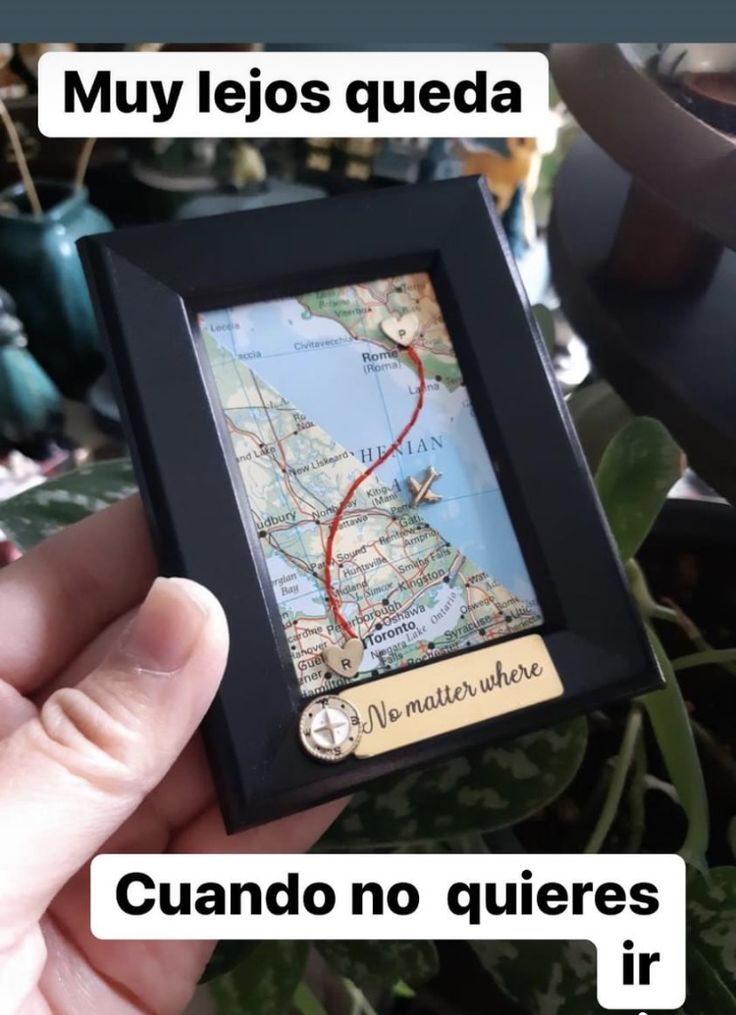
x=316 y=393
x=344 y=423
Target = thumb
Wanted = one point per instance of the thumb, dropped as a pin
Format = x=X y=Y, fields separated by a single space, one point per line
x=72 y=775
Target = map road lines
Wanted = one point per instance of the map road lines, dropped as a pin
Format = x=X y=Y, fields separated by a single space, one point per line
x=409 y=592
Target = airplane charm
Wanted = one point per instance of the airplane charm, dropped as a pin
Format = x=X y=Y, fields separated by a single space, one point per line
x=420 y=488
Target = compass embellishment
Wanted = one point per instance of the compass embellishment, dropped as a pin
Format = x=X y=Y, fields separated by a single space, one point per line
x=330 y=728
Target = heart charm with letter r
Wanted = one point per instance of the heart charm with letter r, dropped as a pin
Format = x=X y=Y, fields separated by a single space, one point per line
x=401 y=330
x=344 y=660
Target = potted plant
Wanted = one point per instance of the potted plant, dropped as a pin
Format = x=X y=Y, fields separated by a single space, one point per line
x=40 y=222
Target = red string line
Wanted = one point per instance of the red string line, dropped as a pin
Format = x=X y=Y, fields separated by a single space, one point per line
x=357 y=482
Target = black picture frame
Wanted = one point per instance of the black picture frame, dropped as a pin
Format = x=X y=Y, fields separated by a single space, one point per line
x=150 y=283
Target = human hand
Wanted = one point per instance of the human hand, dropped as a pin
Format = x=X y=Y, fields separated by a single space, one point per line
x=98 y=710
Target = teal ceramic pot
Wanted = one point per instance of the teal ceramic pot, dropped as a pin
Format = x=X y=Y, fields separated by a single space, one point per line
x=31 y=411
x=40 y=266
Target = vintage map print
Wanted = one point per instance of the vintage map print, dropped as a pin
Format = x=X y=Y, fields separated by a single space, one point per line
x=358 y=388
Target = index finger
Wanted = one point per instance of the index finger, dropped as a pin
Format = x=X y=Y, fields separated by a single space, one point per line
x=62 y=593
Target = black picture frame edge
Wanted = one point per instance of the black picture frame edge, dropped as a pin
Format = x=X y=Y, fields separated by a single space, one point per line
x=147 y=265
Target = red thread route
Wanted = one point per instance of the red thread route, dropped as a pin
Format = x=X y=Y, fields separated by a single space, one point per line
x=357 y=482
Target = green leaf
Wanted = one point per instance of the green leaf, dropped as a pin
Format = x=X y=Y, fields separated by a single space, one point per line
x=487 y=789
x=559 y=978
x=306 y=1003
x=712 y=916
x=638 y=469
x=222 y=992
x=265 y=982
x=543 y=977
x=32 y=516
x=598 y=413
x=373 y=965
x=226 y=956
x=673 y=731
x=707 y=993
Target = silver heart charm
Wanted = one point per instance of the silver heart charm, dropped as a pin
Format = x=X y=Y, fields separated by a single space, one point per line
x=344 y=660
x=401 y=330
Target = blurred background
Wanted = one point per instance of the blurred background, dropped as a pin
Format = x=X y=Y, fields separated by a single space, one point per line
x=90 y=186
x=621 y=216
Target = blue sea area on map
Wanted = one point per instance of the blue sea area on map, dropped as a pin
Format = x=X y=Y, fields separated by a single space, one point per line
x=363 y=398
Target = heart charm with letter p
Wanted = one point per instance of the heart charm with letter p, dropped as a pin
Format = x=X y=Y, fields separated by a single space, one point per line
x=401 y=330
x=344 y=660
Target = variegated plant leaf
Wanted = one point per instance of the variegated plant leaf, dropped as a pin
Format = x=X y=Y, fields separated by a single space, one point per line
x=486 y=789
x=264 y=982
x=222 y=993
x=377 y=964
x=707 y=992
x=543 y=977
x=552 y=977
x=559 y=978
x=40 y=512
x=712 y=917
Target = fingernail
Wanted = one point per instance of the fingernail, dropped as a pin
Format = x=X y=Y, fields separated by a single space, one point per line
x=166 y=628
